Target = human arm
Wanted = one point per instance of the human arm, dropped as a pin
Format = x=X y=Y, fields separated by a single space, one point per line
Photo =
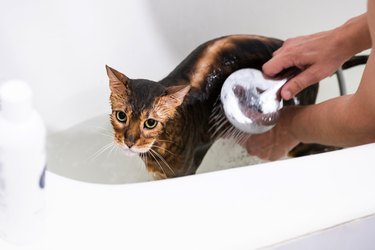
x=342 y=121
x=318 y=55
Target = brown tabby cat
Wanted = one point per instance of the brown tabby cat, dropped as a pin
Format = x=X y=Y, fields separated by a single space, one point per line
x=173 y=122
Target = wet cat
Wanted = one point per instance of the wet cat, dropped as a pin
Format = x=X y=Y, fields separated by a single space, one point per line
x=173 y=122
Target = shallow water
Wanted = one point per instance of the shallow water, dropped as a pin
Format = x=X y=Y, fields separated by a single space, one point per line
x=85 y=152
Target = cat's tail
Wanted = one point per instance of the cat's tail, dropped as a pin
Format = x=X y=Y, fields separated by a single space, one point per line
x=355 y=61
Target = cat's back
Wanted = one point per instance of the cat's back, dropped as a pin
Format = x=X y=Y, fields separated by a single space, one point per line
x=217 y=58
x=207 y=66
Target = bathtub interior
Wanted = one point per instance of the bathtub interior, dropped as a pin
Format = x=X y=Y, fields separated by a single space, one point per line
x=86 y=152
x=61 y=49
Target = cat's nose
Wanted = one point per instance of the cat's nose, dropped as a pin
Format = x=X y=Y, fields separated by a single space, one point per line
x=129 y=144
x=130 y=141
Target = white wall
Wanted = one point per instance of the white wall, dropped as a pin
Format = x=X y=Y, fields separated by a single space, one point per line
x=61 y=46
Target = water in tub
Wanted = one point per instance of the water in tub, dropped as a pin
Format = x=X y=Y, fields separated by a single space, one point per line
x=86 y=152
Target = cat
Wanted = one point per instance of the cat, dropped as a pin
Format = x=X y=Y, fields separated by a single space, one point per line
x=173 y=122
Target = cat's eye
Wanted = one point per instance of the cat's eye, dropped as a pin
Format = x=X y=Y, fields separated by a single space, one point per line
x=150 y=123
x=121 y=116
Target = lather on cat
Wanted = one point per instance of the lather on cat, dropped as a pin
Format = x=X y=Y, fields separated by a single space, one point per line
x=172 y=123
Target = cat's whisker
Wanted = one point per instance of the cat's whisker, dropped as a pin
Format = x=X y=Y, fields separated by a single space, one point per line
x=101 y=151
x=152 y=155
x=142 y=155
x=106 y=135
x=158 y=155
x=117 y=148
x=167 y=141
x=113 y=148
x=166 y=150
x=110 y=150
x=144 y=158
x=104 y=128
x=163 y=160
x=104 y=132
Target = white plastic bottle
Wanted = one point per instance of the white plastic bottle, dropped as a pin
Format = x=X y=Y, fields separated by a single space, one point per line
x=22 y=165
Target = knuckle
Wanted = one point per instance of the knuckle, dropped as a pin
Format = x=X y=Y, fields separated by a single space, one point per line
x=288 y=50
x=289 y=41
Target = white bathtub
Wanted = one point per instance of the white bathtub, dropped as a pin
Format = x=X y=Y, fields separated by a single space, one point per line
x=316 y=202
x=61 y=47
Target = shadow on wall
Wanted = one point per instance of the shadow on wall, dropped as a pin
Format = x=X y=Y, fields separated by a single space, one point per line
x=186 y=24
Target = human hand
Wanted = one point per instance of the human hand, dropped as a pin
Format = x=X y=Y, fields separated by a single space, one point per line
x=273 y=144
x=317 y=56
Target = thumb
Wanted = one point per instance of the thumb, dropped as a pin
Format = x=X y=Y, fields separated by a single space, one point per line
x=296 y=84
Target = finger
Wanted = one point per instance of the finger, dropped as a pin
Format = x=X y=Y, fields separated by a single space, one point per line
x=276 y=64
x=288 y=44
x=277 y=52
x=300 y=82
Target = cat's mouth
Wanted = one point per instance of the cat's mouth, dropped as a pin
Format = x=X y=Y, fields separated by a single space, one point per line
x=134 y=150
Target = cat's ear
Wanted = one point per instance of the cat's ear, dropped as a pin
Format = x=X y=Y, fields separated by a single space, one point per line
x=166 y=105
x=118 y=82
x=175 y=95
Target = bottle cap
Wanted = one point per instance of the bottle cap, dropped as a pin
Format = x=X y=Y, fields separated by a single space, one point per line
x=15 y=100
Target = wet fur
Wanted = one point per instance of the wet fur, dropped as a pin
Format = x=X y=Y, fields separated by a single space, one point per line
x=188 y=130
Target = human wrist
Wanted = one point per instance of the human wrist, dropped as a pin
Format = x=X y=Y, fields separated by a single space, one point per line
x=353 y=36
x=287 y=122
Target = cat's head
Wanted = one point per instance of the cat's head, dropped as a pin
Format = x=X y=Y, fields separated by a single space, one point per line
x=141 y=110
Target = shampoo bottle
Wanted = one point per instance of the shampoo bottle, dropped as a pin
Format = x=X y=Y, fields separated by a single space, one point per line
x=22 y=165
